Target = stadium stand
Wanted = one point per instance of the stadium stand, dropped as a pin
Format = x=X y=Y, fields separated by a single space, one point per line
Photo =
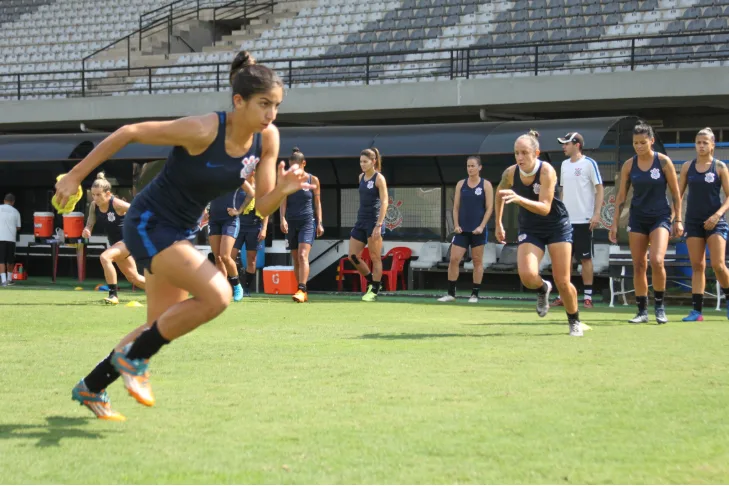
x=340 y=42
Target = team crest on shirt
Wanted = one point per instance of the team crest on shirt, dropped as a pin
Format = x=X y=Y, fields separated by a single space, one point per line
x=249 y=165
x=578 y=171
x=370 y=184
x=110 y=217
x=709 y=177
x=522 y=237
x=607 y=212
x=479 y=190
x=393 y=217
x=655 y=174
x=537 y=188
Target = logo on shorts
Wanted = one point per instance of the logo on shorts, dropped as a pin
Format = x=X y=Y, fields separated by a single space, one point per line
x=249 y=165
x=110 y=217
x=628 y=228
x=709 y=177
x=370 y=184
x=655 y=174
x=537 y=187
x=479 y=191
x=522 y=237
x=578 y=171
x=393 y=217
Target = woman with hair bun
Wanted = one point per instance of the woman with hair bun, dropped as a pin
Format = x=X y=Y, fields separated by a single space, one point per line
x=107 y=212
x=650 y=173
x=370 y=225
x=543 y=223
x=212 y=154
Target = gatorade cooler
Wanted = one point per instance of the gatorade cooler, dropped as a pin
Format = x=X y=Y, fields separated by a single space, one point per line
x=279 y=280
x=42 y=225
x=73 y=225
x=19 y=272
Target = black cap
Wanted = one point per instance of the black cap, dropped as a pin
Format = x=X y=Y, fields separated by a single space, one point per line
x=573 y=137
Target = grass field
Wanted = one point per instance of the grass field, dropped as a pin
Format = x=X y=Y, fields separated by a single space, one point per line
x=339 y=391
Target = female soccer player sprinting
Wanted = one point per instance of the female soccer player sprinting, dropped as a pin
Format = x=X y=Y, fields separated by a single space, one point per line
x=543 y=223
x=107 y=212
x=212 y=154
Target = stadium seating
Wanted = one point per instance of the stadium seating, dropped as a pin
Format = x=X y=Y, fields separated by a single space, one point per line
x=45 y=35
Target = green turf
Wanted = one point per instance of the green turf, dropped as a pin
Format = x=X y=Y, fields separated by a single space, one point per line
x=339 y=391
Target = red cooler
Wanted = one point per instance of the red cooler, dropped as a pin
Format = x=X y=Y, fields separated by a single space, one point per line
x=73 y=225
x=42 y=225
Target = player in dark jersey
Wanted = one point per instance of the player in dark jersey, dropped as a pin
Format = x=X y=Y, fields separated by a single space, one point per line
x=472 y=207
x=300 y=226
x=107 y=212
x=224 y=227
x=252 y=234
x=705 y=177
x=212 y=155
x=650 y=173
x=369 y=228
x=543 y=223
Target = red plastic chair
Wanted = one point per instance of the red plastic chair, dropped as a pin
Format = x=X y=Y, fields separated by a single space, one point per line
x=400 y=255
x=346 y=268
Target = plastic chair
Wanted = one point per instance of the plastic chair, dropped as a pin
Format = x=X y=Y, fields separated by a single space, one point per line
x=346 y=268
x=400 y=255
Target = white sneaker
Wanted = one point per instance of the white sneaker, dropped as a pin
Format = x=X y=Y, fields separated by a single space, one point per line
x=473 y=300
x=575 y=328
x=447 y=298
x=543 y=301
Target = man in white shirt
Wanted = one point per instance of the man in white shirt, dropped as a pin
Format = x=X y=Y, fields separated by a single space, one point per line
x=582 y=193
x=9 y=227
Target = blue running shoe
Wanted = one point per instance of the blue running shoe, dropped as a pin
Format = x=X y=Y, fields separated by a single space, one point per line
x=693 y=316
x=237 y=293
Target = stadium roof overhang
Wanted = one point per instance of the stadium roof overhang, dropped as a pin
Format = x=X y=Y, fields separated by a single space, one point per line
x=344 y=142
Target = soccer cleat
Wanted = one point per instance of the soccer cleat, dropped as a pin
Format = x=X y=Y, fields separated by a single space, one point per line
x=661 y=315
x=369 y=296
x=473 y=299
x=237 y=293
x=11 y=283
x=300 y=296
x=640 y=318
x=246 y=293
x=543 y=301
x=557 y=302
x=135 y=373
x=693 y=316
x=447 y=298
x=575 y=328
x=588 y=304
x=98 y=403
x=111 y=300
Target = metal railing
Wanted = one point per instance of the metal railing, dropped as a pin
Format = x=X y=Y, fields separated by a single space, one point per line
x=591 y=55
x=163 y=19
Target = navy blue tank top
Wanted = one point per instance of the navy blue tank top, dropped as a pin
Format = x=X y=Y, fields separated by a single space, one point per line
x=369 y=199
x=530 y=222
x=473 y=206
x=300 y=205
x=704 y=197
x=219 y=206
x=180 y=192
x=110 y=222
x=649 y=190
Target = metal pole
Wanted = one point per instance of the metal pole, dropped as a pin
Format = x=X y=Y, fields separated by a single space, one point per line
x=632 y=54
x=18 y=85
x=129 y=54
x=536 y=60
x=367 y=71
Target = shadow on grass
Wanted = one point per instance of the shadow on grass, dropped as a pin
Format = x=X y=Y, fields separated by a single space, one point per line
x=416 y=336
x=50 y=434
x=61 y=304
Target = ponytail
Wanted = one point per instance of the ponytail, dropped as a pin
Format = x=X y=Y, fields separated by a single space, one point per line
x=374 y=155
